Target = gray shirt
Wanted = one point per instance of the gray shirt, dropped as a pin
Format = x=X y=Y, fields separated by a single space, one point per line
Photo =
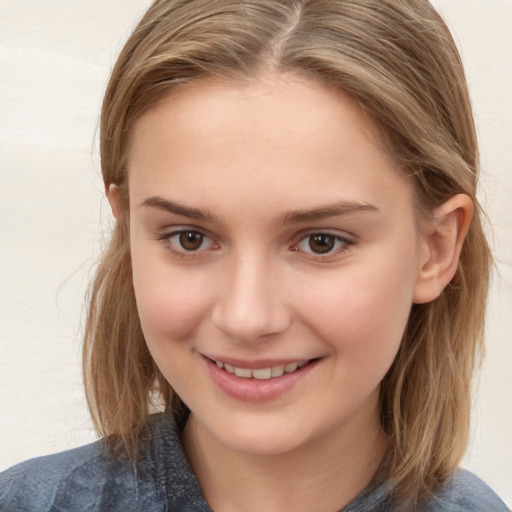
x=89 y=479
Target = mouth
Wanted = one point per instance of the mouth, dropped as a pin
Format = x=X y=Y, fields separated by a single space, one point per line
x=267 y=373
x=259 y=381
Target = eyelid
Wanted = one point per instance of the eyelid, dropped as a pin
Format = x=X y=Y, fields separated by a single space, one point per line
x=346 y=241
x=165 y=237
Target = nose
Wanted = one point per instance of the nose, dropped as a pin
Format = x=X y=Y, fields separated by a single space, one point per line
x=250 y=305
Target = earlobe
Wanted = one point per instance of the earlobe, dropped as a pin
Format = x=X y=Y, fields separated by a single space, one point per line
x=441 y=247
x=112 y=194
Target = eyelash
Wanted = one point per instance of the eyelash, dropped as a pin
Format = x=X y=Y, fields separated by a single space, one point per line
x=340 y=244
x=167 y=240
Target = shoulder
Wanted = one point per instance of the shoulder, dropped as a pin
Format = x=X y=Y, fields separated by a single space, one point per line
x=465 y=492
x=72 y=478
x=462 y=492
x=90 y=479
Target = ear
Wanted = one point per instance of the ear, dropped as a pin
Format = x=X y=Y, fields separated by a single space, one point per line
x=112 y=193
x=441 y=247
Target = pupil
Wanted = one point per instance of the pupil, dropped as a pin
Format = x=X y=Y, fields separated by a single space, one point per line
x=321 y=243
x=191 y=240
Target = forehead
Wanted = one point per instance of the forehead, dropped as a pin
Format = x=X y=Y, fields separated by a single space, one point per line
x=280 y=105
x=282 y=137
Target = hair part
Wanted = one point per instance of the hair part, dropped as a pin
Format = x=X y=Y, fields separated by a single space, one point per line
x=397 y=59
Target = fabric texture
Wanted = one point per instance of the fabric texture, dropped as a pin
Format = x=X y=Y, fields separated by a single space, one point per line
x=88 y=479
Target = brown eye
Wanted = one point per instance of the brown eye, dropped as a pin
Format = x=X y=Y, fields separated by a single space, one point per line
x=187 y=243
x=191 y=240
x=321 y=243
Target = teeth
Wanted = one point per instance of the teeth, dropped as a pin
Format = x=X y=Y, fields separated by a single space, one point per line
x=261 y=373
x=246 y=373
x=277 y=371
x=229 y=368
x=289 y=368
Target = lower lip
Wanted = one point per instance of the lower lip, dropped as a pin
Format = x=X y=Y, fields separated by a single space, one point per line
x=255 y=390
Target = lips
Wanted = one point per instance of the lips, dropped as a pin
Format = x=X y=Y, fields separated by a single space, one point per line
x=259 y=381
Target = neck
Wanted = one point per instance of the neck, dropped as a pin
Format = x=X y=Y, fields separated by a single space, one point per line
x=325 y=474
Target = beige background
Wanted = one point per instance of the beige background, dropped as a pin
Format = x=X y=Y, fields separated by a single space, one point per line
x=54 y=60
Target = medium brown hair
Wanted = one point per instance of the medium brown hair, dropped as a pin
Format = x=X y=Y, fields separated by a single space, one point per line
x=397 y=59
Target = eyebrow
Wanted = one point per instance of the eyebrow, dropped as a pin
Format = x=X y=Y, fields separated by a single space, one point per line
x=292 y=217
x=325 y=212
x=179 y=209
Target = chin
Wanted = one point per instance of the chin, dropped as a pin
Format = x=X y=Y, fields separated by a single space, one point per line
x=265 y=438
x=258 y=444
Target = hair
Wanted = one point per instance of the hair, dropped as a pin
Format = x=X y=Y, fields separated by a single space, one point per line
x=397 y=59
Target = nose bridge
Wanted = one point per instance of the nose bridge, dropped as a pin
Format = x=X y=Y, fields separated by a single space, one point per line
x=250 y=303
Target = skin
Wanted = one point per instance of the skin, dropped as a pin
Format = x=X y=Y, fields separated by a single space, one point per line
x=249 y=163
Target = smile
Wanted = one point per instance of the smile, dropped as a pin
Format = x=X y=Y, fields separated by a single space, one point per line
x=262 y=373
x=259 y=381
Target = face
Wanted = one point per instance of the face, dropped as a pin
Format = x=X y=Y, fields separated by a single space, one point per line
x=275 y=257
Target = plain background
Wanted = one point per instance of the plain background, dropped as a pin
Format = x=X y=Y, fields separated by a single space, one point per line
x=55 y=57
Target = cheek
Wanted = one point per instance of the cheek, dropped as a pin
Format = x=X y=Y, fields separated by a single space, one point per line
x=171 y=301
x=171 y=309
x=361 y=315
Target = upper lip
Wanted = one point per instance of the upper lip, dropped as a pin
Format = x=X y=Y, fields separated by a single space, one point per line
x=256 y=364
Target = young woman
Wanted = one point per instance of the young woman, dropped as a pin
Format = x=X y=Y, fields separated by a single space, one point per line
x=289 y=311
